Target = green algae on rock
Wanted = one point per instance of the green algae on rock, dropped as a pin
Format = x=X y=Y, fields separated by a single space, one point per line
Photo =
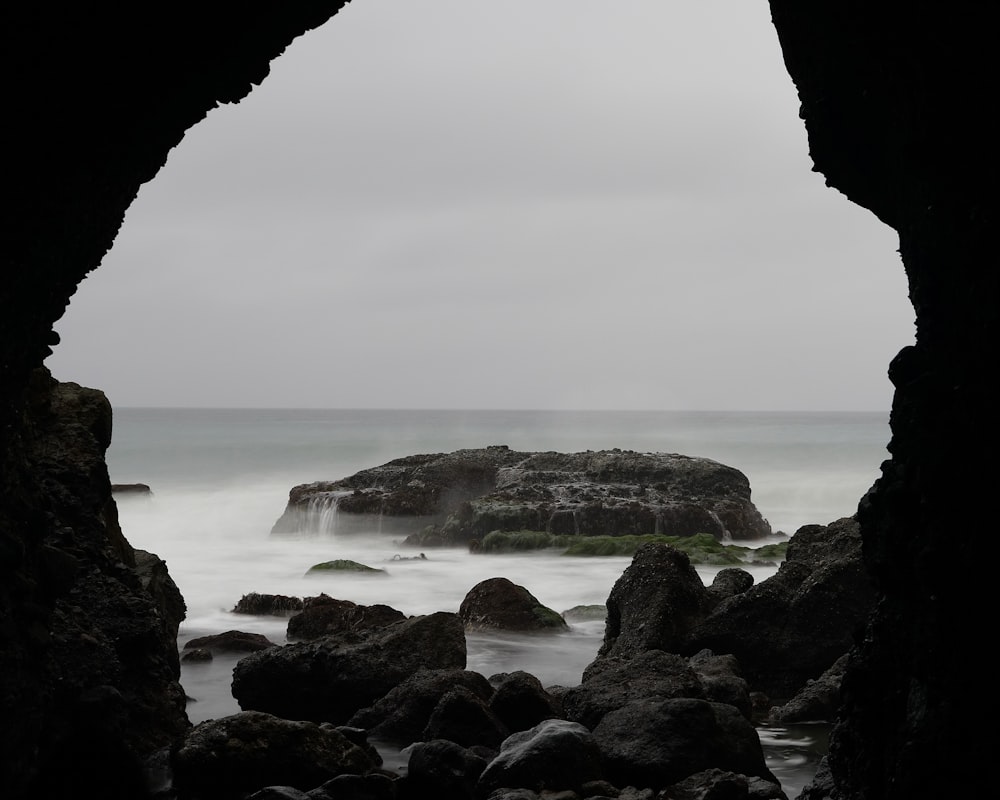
x=345 y=565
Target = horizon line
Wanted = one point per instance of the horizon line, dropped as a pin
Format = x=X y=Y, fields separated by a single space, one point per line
x=520 y=409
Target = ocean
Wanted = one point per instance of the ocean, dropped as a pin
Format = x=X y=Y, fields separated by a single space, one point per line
x=220 y=478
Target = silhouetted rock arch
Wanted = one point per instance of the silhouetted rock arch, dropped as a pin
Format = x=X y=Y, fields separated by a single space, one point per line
x=895 y=97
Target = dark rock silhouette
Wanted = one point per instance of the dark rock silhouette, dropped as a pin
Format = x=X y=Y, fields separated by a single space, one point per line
x=892 y=95
x=330 y=678
x=553 y=755
x=402 y=714
x=655 y=743
x=228 y=757
x=784 y=631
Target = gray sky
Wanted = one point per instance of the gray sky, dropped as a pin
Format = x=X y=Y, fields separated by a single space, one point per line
x=518 y=204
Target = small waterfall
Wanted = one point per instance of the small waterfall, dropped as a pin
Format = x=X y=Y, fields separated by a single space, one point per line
x=658 y=524
x=321 y=513
x=576 y=522
x=727 y=537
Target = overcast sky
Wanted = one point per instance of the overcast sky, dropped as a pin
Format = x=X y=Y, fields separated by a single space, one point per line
x=517 y=204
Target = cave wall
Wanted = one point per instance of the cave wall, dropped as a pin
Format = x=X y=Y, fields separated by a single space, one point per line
x=895 y=98
x=95 y=96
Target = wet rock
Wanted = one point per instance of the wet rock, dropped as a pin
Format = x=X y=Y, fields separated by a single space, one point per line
x=793 y=626
x=463 y=717
x=817 y=701
x=330 y=678
x=197 y=655
x=585 y=613
x=656 y=743
x=466 y=494
x=521 y=702
x=344 y=565
x=784 y=631
x=401 y=716
x=610 y=683
x=654 y=604
x=498 y=603
x=274 y=605
x=325 y=616
x=442 y=770
x=230 y=757
x=717 y=784
x=555 y=754
x=231 y=642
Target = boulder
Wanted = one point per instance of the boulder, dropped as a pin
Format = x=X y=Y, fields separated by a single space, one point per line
x=230 y=642
x=89 y=665
x=521 y=702
x=274 y=605
x=325 y=616
x=463 y=717
x=793 y=626
x=329 y=679
x=230 y=757
x=784 y=631
x=654 y=604
x=459 y=497
x=498 y=603
x=656 y=743
x=717 y=784
x=401 y=716
x=555 y=754
x=441 y=770
x=344 y=565
x=612 y=682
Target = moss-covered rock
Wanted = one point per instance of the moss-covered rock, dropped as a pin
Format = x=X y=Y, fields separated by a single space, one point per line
x=344 y=565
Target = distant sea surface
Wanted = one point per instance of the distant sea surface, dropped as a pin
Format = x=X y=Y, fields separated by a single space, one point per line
x=220 y=478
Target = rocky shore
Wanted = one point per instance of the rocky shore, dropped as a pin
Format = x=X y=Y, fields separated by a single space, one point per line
x=460 y=497
x=666 y=710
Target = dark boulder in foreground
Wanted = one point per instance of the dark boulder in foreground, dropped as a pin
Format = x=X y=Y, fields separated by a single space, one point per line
x=329 y=679
x=790 y=628
x=654 y=743
x=229 y=757
x=555 y=754
x=466 y=494
x=785 y=631
x=401 y=716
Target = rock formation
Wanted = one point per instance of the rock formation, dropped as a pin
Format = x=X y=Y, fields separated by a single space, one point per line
x=894 y=97
x=89 y=666
x=467 y=494
x=891 y=94
x=784 y=631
